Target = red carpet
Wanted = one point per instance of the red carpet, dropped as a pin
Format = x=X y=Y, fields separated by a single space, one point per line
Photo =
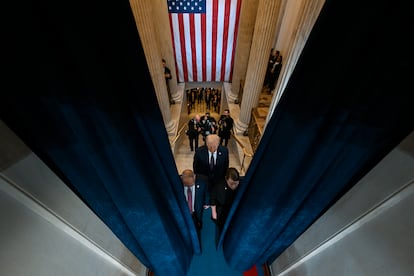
x=251 y=272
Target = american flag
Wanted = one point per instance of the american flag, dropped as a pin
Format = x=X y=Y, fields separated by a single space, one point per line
x=204 y=34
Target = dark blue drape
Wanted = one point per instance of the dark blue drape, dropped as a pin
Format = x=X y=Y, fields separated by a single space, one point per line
x=118 y=160
x=344 y=108
x=80 y=96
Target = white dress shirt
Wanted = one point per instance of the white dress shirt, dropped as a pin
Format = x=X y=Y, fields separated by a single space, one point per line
x=214 y=156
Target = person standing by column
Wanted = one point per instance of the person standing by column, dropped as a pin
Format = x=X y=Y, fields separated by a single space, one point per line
x=168 y=76
x=272 y=59
x=275 y=72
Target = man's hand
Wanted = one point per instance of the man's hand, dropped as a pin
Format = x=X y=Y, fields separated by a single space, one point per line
x=213 y=212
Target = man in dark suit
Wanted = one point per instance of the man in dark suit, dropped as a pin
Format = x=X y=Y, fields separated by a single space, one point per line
x=195 y=191
x=222 y=198
x=225 y=127
x=208 y=125
x=193 y=131
x=211 y=160
x=275 y=72
x=167 y=76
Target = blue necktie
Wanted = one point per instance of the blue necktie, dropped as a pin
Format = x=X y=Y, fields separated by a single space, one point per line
x=212 y=162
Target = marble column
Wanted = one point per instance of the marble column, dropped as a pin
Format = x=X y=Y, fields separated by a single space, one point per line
x=248 y=13
x=163 y=33
x=293 y=41
x=263 y=37
x=143 y=11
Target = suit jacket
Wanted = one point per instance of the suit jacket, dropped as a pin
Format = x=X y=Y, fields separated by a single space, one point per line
x=222 y=197
x=193 y=127
x=201 y=164
x=225 y=126
x=202 y=197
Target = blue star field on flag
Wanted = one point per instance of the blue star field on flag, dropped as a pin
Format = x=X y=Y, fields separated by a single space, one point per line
x=186 y=6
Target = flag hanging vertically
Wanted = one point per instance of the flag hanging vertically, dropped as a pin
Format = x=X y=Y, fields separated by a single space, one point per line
x=204 y=34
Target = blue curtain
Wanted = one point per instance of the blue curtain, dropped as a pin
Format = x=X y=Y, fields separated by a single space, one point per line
x=81 y=97
x=119 y=161
x=343 y=110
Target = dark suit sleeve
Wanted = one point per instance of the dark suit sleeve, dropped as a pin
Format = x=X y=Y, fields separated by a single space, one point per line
x=196 y=162
x=213 y=195
x=226 y=161
x=207 y=198
x=206 y=194
x=231 y=124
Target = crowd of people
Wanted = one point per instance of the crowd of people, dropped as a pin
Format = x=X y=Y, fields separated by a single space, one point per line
x=210 y=183
x=207 y=97
x=206 y=125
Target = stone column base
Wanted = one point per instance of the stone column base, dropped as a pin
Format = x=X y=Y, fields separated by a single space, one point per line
x=176 y=97
x=240 y=127
x=232 y=97
x=171 y=127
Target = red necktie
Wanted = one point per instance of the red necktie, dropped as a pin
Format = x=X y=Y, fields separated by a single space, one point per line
x=190 y=199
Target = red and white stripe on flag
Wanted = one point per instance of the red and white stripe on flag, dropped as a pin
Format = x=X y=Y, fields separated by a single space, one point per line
x=204 y=41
